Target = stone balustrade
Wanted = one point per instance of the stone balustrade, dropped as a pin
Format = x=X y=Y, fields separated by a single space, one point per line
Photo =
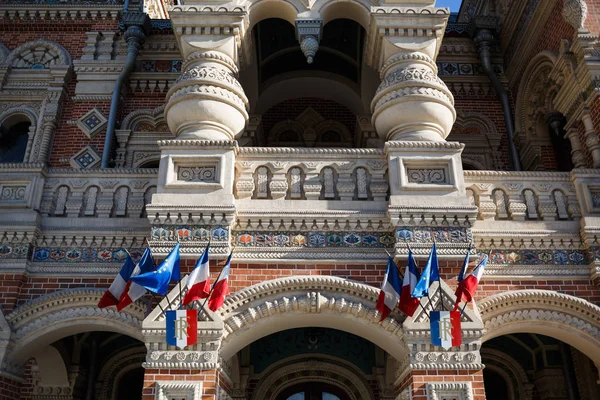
x=522 y=196
x=311 y=174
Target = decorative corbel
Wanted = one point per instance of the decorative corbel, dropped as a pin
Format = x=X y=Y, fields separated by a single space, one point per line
x=308 y=33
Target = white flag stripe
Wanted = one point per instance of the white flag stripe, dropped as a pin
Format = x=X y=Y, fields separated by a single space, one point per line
x=391 y=296
x=118 y=286
x=445 y=339
x=181 y=339
x=199 y=274
x=136 y=291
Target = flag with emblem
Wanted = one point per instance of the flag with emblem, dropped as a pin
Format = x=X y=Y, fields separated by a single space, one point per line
x=445 y=329
x=467 y=287
x=182 y=327
x=430 y=274
x=390 y=291
x=157 y=281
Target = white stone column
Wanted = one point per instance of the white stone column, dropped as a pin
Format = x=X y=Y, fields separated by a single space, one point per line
x=576 y=153
x=591 y=138
x=411 y=103
x=207 y=102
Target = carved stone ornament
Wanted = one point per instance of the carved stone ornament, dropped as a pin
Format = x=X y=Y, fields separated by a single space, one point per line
x=575 y=12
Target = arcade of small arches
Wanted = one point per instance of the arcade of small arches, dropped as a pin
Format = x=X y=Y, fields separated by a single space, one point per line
x=320 y=338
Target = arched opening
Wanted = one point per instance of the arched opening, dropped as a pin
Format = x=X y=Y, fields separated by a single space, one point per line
x=14 y=135
x=313 y=391
x=290 y=364
x=150 y=164
x=534 y=366
x=106 y=365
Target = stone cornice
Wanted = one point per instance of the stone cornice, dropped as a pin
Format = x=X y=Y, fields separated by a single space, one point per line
x=101 y=173
x=308 y=151
x=60 y=11
x=213 y=144
x=503 y=175
x=424 y=145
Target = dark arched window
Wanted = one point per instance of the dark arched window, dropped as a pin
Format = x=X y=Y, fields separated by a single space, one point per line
x=313 y=391
x=13 y=141
x=150 y=164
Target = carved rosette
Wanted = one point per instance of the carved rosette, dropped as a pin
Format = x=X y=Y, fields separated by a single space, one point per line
x=412 y=103
x=207 y=102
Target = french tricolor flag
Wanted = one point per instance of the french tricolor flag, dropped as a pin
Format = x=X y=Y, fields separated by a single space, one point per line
x=445 y=329
x=113 y=294
x=409 y=304
x=198 y=283
x=467 y=287
x=132 y=290
x=182 y=327
x=390 y=291
x=221 y=288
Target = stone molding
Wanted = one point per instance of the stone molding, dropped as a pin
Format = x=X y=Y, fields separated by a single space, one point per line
x=166 y=390
x=60 y=309
x=61 y=11
x=571 y=314
x=64 y=58
x=456 y=390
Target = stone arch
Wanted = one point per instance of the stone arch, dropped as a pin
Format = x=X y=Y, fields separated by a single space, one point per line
x=137 y=138
x=43 y=52
x=24 y=112
x=49 y=318
x=264 y=9
x=279 y=377
x=19 y=114
x=534 y=102
x=52 y=368
x=509 y=368
x=567 y=318
x=356 y=10
x=115 y=367
x=151 y=116
x=481 y=138
x=302 y=301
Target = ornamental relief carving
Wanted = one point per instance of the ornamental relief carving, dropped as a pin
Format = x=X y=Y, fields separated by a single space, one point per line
x=426 y=176
x=203 y=72
x=575 y=13
x=197 y=174
x=410 y=74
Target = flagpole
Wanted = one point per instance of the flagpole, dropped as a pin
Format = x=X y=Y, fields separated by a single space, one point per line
x=442 y=306
x=465 y=306
x=390 y=256
x=213 y=285
x=417 y=265
x=180 y=292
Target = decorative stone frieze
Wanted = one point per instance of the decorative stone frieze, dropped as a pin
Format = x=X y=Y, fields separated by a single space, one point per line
x=405 y=57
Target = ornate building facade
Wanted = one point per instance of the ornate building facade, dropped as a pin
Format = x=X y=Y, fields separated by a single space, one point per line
x=310 y=137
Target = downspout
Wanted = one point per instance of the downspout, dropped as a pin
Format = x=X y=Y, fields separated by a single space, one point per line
x=483 y=40
x=137 y=25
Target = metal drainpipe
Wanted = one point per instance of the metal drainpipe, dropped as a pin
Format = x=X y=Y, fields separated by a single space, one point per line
x=483 y=40
x=135 y=37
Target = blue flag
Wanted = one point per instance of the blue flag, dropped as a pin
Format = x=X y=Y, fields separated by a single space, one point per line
x=430 y=274
x=157 y=281
x=463 y=270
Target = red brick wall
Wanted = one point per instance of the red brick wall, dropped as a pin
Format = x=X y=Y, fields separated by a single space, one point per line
x=290 y=109
x=490 y=107
x=420 y=379
x=592 y=23
x=210 y=380
x=9 y=389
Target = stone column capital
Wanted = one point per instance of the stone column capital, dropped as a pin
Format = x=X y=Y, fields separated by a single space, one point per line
x=396 y=29
x=199 y=29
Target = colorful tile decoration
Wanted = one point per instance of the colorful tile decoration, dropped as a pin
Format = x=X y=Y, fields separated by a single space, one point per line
x=10 y=250
x=539 y=257
x=456 y=69
x=84 y=254
x=314 y=239
x=160 y=66
x=92 y=121
x=190 y=233
x=85 y=159
x=426 y=235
